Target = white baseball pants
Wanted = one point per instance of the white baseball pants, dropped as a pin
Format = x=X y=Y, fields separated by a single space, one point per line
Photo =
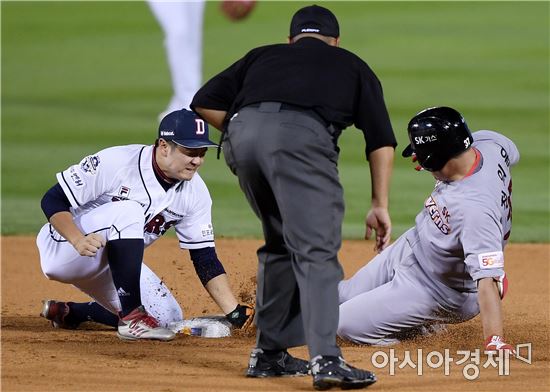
x=119 y=220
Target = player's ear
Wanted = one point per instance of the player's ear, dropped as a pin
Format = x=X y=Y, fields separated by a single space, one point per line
x=163 y=146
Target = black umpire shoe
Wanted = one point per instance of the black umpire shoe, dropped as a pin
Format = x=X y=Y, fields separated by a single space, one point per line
x=277 y=364
x=329 y=371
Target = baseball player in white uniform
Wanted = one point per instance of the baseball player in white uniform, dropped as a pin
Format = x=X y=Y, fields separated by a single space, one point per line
x=450 y=266
x=182 y=23
x=106 y=209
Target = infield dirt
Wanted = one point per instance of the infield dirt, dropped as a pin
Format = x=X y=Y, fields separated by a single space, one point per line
x=36 y=357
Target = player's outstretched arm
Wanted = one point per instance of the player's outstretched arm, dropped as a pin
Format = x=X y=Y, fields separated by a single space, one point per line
x=210 y=271
x=241 y=316
x=221 y=293
x=491 y=315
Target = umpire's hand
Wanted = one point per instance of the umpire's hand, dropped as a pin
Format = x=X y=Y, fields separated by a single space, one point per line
x=378 y=219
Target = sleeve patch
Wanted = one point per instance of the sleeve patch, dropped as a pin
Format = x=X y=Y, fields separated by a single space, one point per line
x=76 y=178
x=207 y=230
x=491 y=260
x=89 y=164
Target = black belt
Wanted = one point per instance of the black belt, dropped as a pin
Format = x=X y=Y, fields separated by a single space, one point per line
x=272 y=106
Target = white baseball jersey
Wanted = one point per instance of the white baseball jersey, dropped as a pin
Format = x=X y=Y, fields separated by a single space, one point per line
x=460 y=234
x=126 y=173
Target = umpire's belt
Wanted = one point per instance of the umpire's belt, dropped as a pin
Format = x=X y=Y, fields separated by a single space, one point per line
x=274 y=107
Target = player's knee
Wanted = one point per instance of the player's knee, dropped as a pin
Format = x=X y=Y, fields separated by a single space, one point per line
x=129 y=208
x=357 y=335
x=157 y=298
x=127 y=219
x=360 y=332
x=53 y=272
x=346 y=330
x=50 y=274
x=343 y=291
x=168 y=315
x=165 y=309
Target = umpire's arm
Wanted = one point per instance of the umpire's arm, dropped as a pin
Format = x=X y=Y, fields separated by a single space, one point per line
x=212 y=117
x=378 y=218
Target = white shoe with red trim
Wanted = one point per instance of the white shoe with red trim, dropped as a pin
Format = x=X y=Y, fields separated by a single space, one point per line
x=139 y=324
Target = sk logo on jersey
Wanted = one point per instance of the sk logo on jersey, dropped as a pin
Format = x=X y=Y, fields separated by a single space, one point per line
x=440 y=219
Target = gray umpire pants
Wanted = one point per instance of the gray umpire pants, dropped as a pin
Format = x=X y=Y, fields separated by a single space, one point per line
x=286 y=163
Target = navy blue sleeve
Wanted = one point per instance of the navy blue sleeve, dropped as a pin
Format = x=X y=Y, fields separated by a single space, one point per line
x=206 y=263
x=55 y=201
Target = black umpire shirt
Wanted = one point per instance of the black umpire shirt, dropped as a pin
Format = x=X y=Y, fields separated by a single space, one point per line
x=310 y=74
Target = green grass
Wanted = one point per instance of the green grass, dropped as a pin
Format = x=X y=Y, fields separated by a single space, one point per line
x=80 y=76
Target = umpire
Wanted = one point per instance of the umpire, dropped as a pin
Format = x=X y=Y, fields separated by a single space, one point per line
x=282 y=108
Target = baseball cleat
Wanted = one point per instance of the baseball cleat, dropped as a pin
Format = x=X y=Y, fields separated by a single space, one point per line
x=56 y=312
x=275 y=365
x=329 y=371
x=139 y=324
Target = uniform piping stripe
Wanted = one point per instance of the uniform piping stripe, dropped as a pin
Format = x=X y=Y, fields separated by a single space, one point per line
x=69 y=188
x=117 y=230
x=95 y=231
x=195 y=242
x=144 y=185
x=52 y=237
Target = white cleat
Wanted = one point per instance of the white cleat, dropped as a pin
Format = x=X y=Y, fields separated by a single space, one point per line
x=141 y=325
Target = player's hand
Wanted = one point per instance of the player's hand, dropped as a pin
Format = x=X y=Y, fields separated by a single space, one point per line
x=88 y=245
x=241 y=317
x=378 y=219
x=495 y=343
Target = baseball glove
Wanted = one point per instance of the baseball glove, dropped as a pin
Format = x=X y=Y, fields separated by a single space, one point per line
x=237 y=9
x=241 y=317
